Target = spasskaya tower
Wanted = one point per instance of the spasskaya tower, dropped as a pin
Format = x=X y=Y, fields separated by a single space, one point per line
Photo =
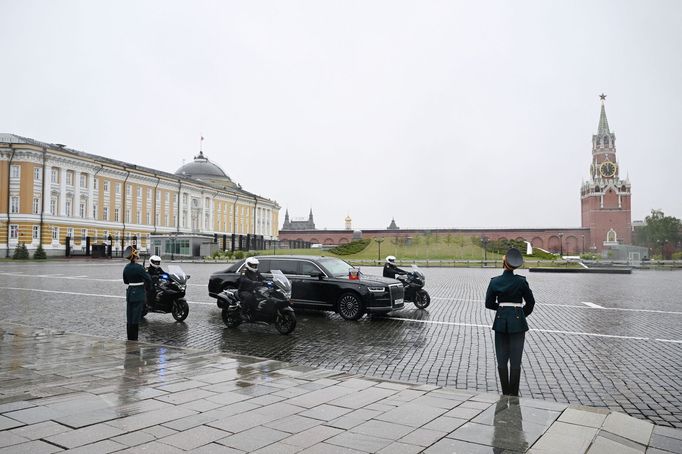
x=605 y=197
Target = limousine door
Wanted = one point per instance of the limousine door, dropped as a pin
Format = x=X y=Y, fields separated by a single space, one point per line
x=313 y=290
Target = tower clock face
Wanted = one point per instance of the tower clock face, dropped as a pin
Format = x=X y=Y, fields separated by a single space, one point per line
x=607 y=169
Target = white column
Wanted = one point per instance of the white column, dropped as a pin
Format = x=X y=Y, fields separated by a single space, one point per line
x=47 y=176
x=77 y=195
x=62 y=193
x=91 y=195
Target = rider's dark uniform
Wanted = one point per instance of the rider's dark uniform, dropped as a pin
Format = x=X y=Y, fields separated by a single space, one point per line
x=392 y=270
x=155 y=273
x=505 y=295
x=248 y=283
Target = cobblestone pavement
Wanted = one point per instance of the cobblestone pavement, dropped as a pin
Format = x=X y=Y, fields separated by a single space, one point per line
x=98 y=395
x=622 y=351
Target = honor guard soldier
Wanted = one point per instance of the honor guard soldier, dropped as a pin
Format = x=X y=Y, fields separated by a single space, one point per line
x=505 y=295
x=137 y=278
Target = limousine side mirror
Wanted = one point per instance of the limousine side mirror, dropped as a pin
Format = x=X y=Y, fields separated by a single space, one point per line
x=317 y=274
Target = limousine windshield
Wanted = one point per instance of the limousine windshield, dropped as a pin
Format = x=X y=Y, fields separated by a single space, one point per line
x=336 y=267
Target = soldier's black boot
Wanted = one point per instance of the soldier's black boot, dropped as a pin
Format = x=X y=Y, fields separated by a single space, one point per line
x=132 y=331
x=514 y=380
x=129 y=331
x=504 y=379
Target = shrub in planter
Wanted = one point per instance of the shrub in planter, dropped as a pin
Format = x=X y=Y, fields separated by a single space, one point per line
x=20 y=252
x=39 y=254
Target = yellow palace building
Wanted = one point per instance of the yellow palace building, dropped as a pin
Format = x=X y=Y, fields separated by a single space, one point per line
x=76 y=203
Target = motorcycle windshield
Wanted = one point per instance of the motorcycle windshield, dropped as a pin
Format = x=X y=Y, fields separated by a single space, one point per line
x=177 y=274
x=417 y=271
x=281 y=281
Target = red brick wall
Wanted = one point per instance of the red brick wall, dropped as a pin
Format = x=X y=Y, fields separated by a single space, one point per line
x=547 y=239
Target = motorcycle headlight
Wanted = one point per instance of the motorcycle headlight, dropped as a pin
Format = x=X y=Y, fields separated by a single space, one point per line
x=377 y=289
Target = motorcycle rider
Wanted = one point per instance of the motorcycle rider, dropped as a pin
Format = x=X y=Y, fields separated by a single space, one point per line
x=137 y=279
x=154 y=269
x=249 y=282
x=390 y=268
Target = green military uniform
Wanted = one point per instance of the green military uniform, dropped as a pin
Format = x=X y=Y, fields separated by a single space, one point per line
x=137 y=278
x=509 y=288
x=505 y=295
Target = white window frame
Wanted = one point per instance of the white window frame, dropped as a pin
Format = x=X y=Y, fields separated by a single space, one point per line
x=36 y=205
x=84 y=181
x=14 y=204
x=35 y=232
x=106 y=185
x=37 y=173
x=82 y=208
x=105 y=213
x=117 y=213
x=55 y=234
x=13 y=231
x=14 y=171
x=117 y=188
x=69 y=177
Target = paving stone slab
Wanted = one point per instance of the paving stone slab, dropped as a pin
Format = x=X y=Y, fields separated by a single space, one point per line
x=603 y=445
x=358 y=441
x=193 y=438
x=253 y=439
x=562 y=438
x=628 y=427
x=584 y=416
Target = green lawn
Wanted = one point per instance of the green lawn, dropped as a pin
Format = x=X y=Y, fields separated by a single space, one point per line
x=437 y=251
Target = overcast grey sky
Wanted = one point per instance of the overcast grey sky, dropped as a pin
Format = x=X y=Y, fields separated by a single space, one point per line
x=438 y=113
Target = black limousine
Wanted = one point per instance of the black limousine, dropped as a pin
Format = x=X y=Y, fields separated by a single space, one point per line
x=322 y=283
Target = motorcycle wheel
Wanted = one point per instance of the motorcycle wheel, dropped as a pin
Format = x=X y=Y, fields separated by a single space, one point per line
x=285 y=322
x=350 y=306
x=179 y=310
x=422 y=300
x=231 y=319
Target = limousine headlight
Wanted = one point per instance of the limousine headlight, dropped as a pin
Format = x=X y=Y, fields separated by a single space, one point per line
x=377 y=289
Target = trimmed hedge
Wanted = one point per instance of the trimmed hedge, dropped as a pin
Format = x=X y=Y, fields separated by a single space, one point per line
x=351 y=248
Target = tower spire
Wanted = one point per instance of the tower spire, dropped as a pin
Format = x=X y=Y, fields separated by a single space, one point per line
x=603 y=122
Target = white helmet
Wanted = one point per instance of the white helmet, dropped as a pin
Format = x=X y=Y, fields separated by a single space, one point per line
x=251 y=263
x=155 y=261
x=390 y=260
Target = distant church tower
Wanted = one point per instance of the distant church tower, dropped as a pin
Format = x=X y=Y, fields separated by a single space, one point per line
x=605 y=198
x=348 y=223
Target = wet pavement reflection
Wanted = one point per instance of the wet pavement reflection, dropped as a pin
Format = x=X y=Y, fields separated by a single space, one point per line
x=66 y=391
x=623 y=357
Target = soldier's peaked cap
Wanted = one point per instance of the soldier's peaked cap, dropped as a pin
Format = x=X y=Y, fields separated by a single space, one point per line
x=514 y=258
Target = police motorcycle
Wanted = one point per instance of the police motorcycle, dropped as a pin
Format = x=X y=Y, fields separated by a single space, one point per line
x=275 y=309
x=414 y=282
x=168 y=294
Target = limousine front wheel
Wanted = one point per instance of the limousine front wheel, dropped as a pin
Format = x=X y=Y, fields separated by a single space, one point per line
x=350 y=306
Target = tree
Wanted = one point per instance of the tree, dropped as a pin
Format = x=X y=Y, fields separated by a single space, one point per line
x=660 y=233
x=40 y=254
x=20 y=252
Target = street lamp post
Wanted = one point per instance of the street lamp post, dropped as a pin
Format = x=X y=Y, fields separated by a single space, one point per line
x=484 y=240
x=583 y=251
x=561 y=245
x=379 y=241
